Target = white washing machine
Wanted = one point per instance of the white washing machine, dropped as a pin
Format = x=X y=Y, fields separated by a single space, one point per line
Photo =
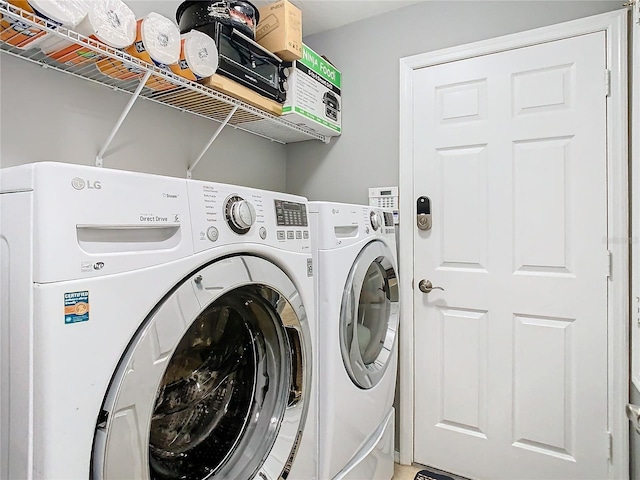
x=357 y=314
x=153 y=328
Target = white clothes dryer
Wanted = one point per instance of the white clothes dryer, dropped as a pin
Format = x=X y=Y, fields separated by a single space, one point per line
x=357 y=314
x=153 y=328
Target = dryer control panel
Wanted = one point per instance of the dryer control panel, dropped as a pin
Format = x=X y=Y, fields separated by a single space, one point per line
x=343 y=224
x=378 y=221
x=226 y=214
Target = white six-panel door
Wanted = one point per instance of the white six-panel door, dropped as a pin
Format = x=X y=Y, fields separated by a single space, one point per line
x=511 y=358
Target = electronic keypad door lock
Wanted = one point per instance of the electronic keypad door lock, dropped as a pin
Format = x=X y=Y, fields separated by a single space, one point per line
x=423 y=209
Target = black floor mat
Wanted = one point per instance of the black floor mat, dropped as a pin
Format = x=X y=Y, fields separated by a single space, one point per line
x=431 y=475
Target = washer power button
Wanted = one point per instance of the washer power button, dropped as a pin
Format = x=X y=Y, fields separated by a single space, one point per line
x=263 y=233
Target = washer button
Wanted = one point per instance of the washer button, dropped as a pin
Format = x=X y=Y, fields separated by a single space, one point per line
x=212 y=234
x=299 y=235
x=305 y=234
x=280 y=235
x=263 y=233
x=290 y=235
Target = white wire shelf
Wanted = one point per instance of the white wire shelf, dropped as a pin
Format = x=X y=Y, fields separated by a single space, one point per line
x=180 y=93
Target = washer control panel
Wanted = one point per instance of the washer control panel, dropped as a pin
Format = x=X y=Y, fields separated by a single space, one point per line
x=227 y=214
x=291 y=214
x=292 y=220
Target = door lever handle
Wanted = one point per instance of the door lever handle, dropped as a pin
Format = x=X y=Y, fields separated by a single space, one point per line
x=633 y=412
x=426 y=286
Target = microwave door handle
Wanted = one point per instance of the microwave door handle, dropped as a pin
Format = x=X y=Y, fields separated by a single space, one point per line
x=255 y=44
x=245 y=59
x=263 y=60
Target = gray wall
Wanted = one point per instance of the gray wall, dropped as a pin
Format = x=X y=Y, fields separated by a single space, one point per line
x=367 y=53
x=46 y=115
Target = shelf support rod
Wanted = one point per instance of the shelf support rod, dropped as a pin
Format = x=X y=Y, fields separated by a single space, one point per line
x=122 y=118
x=208 y=145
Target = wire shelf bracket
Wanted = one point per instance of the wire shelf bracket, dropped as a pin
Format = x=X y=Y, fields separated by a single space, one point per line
x=214 y=136
x=122 y=118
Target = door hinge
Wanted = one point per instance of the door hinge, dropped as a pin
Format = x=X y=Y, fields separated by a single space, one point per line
x=607 y=82
x=609 y=263
x=609 y=445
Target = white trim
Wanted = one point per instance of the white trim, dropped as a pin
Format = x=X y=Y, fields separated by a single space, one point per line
x=614 y=25
x=618 y=196
x=584 y=26
x=635 y=199
x=407 y=211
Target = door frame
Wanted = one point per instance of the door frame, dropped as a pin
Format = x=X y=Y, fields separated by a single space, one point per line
x=614 y=24
x=634 y=36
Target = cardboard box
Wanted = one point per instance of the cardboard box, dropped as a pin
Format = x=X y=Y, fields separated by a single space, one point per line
x=280 y=30
x=314 y=94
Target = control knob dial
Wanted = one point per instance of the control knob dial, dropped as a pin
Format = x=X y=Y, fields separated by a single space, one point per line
x=376 y=220
x=240 y=213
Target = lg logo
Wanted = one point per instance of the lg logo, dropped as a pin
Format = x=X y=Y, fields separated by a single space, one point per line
x=79 y=183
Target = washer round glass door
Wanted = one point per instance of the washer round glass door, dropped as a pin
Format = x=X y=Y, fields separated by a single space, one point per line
x=369 y=315
x=214 y=385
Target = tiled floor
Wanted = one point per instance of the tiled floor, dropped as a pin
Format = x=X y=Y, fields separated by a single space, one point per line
x=404 y=472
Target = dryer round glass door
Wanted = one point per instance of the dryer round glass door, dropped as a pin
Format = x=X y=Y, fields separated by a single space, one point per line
x=214 y=385
x=369 y=315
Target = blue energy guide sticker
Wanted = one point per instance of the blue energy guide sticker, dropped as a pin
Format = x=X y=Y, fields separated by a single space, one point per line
x=76 y=307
